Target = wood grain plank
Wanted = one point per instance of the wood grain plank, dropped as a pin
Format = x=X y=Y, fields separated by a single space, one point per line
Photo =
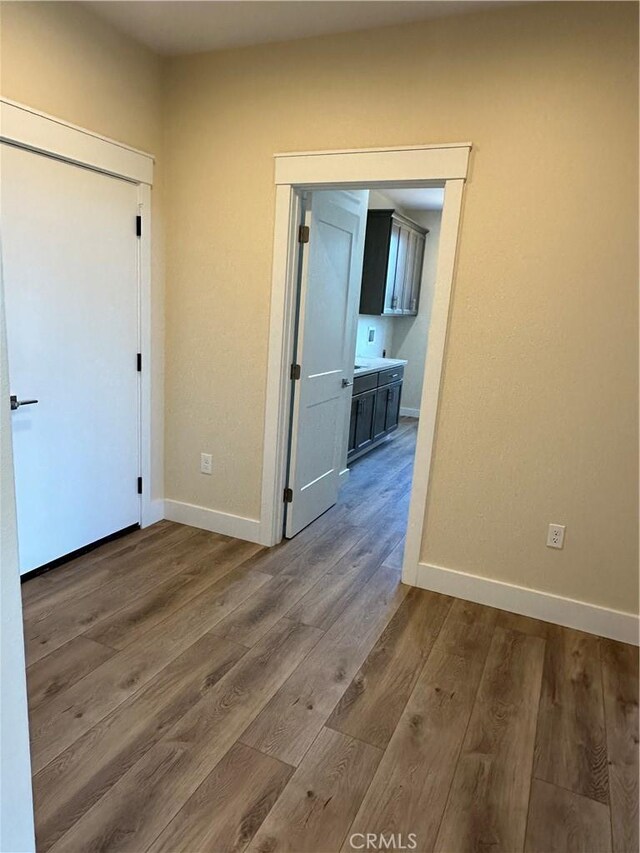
x=372 y=705
x=570 y=747
x=91 y=571
x=524 y=624
x=487 y=805
x=63 y=667
x=227 y=809
x=319 y=803
x=620 y=683
x=563 y=822
x=337 y=588
x=385 y=479
x=289 y=724
x=77 y=778
x=395 y=510
x=409 y=790
x=131 y=621
x=56 y=724
x=395 y=558
x=134 y=811
x=54 y=628
x=280 y=558
x=386 y=493
x=259 y=613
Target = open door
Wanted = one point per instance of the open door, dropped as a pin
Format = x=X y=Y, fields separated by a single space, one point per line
x=328 y=309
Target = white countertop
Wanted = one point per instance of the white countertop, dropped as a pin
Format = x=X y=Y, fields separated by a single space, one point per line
x=374 y=365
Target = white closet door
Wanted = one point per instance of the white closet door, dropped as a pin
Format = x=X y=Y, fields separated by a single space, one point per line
x=70 y=256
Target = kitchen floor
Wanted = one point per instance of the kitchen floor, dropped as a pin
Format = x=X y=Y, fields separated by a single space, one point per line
x=190 y=692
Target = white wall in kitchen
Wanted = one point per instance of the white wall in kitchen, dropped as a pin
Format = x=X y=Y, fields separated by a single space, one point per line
x=383 y=336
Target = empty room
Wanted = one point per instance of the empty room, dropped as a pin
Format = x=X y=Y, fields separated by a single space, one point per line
x=319 y=426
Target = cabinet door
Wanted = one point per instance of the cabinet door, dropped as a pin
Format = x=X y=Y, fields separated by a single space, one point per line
x=364 y=419
x=380 y=415
x=393 y=406
x=408 y=271
x=411 y=303
x=401 y=270
x=392 y=266
x=351 y=446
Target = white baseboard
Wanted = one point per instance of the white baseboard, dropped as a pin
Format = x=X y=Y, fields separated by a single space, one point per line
x=546 y=606
x=409 y=413
x=152 y=513
x=210 y=519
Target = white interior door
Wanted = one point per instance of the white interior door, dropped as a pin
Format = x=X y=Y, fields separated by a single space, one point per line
x=329 y=295
x=70 y=256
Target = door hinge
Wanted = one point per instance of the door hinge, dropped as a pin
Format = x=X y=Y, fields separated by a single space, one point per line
x=303 y=234
x=139 y=485
x=295 y=371
x=288 y=496
x=138 y=226
x=139 y=362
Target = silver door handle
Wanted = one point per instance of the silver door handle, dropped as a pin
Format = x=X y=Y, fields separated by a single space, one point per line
x=15 y=403
x=346 y=383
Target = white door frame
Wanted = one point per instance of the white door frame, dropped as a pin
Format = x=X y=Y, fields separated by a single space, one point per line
x=419 y=165
x=36 y=131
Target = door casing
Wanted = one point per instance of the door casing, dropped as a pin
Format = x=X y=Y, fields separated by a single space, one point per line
x=410 y=166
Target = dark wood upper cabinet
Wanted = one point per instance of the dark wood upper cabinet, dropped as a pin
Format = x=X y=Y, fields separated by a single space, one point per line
x=392 y=264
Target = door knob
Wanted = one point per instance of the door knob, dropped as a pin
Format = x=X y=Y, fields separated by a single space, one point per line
x=346 y=383
x=15 y=403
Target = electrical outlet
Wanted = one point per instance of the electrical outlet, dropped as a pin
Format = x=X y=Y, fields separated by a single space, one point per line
x=555 y=536
x=371 y=334
x=206 y=463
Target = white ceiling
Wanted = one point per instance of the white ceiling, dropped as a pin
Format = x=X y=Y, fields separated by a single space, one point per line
x=173 y=28
x=417 y=199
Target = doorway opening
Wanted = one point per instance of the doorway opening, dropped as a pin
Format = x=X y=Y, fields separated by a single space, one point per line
x=288 y=415
x=364 y=295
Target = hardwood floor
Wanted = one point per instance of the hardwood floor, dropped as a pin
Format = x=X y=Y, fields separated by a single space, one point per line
x=189 y=692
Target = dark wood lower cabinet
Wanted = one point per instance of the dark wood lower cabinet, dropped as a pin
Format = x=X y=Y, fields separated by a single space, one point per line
x=352 y=426
x=364 y=420
x=380 y=416
x=374 y=414
x=393 y=406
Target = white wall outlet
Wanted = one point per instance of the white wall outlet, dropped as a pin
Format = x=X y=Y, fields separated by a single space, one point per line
x=555 y=536
x=371 y=334
x=206 y=463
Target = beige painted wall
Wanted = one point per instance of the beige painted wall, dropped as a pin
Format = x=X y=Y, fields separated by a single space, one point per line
x=61 y=59
x=538 y=421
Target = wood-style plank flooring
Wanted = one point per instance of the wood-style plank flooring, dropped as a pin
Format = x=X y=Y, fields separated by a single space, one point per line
x=191 y=692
